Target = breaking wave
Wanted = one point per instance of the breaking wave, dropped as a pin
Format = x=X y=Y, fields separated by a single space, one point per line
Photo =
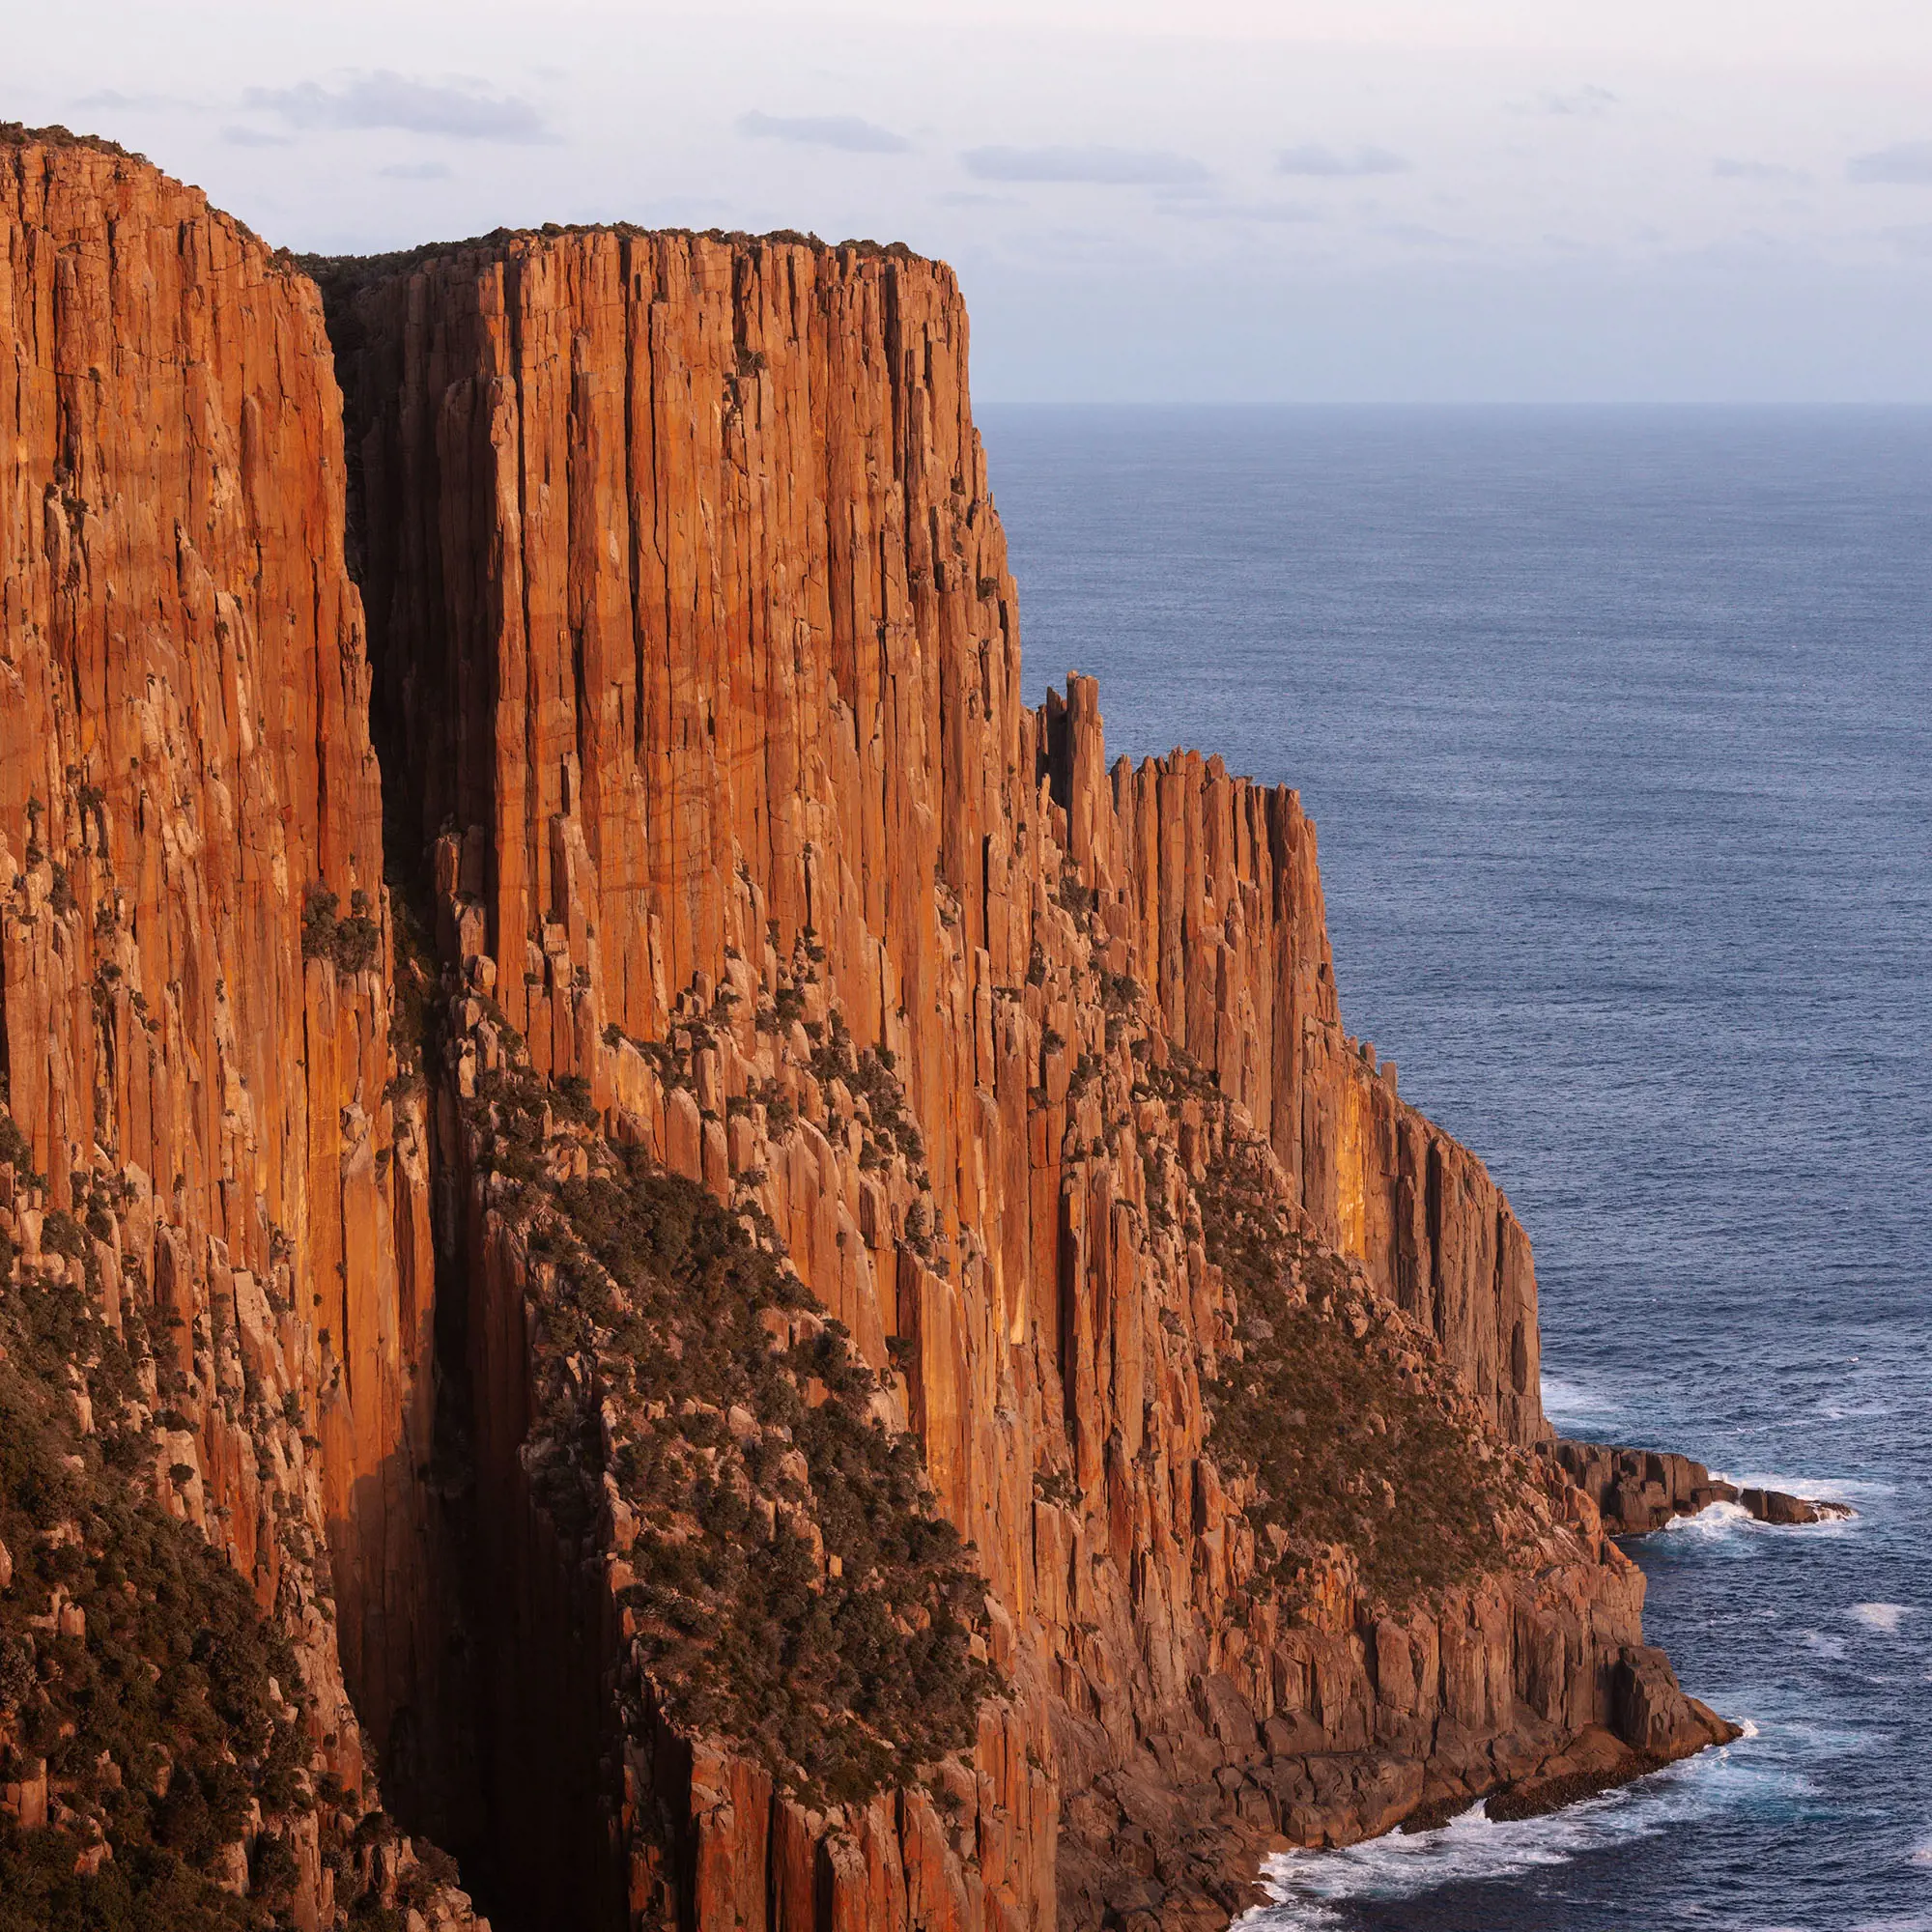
x=1311 y=1890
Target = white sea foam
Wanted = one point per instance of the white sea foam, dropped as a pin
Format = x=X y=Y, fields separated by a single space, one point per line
x=1729 y=1522
x=1720 y=1519
x=1469 y=1848
x=1885 y=1617
x=1308 y=1887
x=1571 y=1402
x=1824 y=1489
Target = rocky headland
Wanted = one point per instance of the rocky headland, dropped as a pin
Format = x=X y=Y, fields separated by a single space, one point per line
x=663 y=1260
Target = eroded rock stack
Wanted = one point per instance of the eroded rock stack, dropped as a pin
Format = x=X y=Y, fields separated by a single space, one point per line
x=1000 y=1099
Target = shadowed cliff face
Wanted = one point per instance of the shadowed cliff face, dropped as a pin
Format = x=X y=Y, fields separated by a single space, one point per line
x=1089 y=1334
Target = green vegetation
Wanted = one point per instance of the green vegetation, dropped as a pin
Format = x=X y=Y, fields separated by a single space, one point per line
x=15 y=1152
x=153 y=1709
x=353 y=944
x=1350 y=1428
x=869 y=1074
x=795 y=1588
x=135 y=1664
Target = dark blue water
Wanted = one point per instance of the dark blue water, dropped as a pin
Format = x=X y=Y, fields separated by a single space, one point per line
x=1618 y=731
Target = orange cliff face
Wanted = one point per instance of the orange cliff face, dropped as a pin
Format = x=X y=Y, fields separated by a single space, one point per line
x=185 y=764
x=693 y=618
x=696 y=641
x=1015 y=1084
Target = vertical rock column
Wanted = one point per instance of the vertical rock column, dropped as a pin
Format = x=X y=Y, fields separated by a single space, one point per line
x=1210 y=888
x=684 y=577
x=194 y=957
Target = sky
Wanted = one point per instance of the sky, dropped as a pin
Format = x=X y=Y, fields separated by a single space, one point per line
x=1230 y=200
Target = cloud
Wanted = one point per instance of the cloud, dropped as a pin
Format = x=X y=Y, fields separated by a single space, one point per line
x=1418 y=236
x=1906 y=165
x=416 y=171
x=1768 y=171
x=1328 y=164
x=1580 y=100
x=844 y=131
x=1214 y=208
x=462 y=110
x=253 y=137
x=113 y=98
x=1916 y=240
x=1106 y=167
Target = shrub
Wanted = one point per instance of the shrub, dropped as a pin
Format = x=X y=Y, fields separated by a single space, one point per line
x=354 y=945
x=173 y=1667
x=838 y=1683
x=1346 y=1445
x=17 y=1152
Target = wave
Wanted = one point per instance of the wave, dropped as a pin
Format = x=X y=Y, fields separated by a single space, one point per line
x=1720 y=1519
x=1569 y=1401
x=1822 y=1488
x=1723 y=1521
x=1885 y=1617
x=1310 y=1889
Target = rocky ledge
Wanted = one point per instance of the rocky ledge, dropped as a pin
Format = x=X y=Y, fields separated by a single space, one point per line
x=1637 y=1491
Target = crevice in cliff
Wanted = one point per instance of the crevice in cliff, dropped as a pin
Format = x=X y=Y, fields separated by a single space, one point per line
x=441 y=1739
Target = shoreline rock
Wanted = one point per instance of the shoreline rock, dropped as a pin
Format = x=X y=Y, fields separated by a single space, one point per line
x=1640 y=1491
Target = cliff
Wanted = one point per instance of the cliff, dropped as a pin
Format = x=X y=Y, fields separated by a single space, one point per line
x=799 y=1304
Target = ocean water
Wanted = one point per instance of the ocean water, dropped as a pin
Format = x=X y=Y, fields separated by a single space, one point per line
x=1618 y=731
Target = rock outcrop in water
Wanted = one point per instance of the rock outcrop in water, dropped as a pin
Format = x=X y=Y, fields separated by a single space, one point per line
x=791 y=1298
x=1637 y=1491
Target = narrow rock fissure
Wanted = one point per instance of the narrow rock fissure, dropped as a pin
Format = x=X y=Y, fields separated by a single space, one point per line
x=446 y=1773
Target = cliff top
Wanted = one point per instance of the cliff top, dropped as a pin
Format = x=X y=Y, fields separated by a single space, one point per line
x=359 y=270
x=17 y=135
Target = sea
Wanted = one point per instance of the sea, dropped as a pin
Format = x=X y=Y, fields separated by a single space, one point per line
x=1617 y=729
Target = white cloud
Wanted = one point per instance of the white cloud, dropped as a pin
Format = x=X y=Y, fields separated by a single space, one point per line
x=1577 y=101
x=1329 y=163
x=843 y=131
x=1769 y=173
x=1106 y=167
x=463 y=110
x=1906 y=165
x=1219 y=208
